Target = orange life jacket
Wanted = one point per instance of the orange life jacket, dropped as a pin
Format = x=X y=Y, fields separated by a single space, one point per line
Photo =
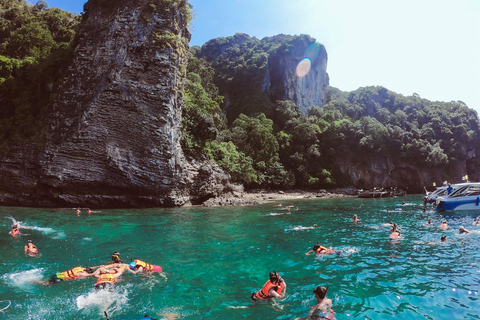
x=323 y=249
x=264 y=293
x=106 y=277
x=72 y=274
x=16 y=232
x=30 y=247
x=146 y=266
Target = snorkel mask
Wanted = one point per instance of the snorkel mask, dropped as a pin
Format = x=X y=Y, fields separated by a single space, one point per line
x=116 y=257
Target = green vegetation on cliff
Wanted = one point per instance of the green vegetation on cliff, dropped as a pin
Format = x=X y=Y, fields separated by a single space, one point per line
x=35 y=48
x=285 y=147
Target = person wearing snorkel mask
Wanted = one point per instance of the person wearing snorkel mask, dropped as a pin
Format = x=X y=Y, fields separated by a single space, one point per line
x=275 y=287
x=75 y=273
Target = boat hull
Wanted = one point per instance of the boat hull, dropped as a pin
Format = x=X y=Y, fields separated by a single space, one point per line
x=460 y=204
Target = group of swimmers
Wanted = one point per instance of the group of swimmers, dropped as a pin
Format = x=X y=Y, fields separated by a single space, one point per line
x=106 y=274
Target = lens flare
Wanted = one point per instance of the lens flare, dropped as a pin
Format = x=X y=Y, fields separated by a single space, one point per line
x=303 y=67
x=313 y=50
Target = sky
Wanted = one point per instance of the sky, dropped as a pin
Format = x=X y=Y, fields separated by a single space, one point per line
x=427 y=47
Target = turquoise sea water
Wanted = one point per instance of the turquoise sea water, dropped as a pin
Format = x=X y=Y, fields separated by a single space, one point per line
x=215 y=257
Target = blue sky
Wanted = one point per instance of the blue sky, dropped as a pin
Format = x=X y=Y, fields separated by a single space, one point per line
x=430 y=47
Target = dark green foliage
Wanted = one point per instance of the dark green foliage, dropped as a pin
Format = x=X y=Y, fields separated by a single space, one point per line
x=202 y=117
x=303 y=149
x=33 y=52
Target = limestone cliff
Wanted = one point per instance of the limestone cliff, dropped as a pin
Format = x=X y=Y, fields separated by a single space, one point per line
x=113 y=126
x=252 y=72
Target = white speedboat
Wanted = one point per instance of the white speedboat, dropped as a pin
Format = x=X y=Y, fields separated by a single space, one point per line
x=466 y=197
x=442 y=191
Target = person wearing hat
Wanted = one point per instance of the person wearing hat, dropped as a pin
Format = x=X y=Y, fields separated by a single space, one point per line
x=323 y=308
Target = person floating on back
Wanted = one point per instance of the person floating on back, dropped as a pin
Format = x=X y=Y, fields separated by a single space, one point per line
x=275 y=287
x=31 y=249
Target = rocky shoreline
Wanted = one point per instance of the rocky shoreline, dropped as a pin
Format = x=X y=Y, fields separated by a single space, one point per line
x=253 y=197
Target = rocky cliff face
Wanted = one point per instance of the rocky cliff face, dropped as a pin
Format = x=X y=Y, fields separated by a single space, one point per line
x=113 y=128
x=250 y=70
x=284 y=73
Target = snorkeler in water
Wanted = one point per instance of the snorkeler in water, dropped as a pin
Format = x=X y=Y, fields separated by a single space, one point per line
x=275 y=287
x=318 y=249
x=74 y=273
x=31 y=249
x=106 y=278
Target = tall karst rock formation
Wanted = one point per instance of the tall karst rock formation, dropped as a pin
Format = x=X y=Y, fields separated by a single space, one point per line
x=250 y=71
x=113 y=128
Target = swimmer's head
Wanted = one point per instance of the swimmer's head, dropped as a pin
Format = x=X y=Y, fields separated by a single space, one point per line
x=30 y=241
x=15 y=226
x=275 y=277
x=315 y=247
x=116 y=257
x=88 y=269
x=320 y=291
x=443 y=238
x=132 y=265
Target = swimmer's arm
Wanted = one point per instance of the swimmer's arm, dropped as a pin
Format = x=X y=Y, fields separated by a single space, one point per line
x=132 y=271
x=309 y=252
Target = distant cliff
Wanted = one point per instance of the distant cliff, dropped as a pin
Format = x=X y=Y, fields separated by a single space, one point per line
x=252 y=72
x=113 y=125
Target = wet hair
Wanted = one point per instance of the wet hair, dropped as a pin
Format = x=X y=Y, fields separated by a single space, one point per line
x=443 y=238
x=15 y=226
x=30 y=241
x=316 y=246
x=320 y=291
x=88 y=269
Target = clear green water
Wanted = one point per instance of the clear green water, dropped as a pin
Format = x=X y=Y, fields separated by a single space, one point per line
x=215 y=257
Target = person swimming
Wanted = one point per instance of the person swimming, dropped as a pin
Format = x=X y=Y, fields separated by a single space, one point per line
x=31 y=249
x=141 y=266
x=355 y=218
x=318 y=249
x=106 y=279
x=275 y=287
x=74 y=273
x=323 y=308
x=15 y=231
x=463 y=230
x=444 y=225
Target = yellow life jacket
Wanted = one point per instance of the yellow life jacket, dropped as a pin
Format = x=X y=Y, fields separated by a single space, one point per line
x=106 y=277
x=72 y=274
x=146 y=266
